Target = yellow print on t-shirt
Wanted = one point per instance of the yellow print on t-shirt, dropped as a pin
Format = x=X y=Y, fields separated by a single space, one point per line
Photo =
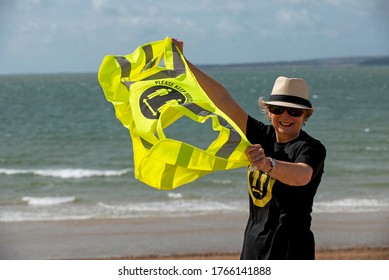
x=260 y=186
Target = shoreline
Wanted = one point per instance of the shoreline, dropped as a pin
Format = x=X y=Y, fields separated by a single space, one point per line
x=216 y=236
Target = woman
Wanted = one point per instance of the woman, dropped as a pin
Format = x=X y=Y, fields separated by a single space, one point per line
x=287 y=165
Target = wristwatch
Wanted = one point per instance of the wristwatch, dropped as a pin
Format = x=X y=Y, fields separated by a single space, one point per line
x=272 y=164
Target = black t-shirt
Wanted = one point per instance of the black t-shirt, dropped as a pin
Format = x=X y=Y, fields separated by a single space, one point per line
x=280 y=215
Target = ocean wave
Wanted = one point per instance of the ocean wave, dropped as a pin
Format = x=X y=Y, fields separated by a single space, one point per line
x=173 y=208
x=351 y=205
x=66 y=173
x=69 y=208
x=175 y=195
x=376 y=149
x=61 y=209
x=48 y=201
x=12 y=217
x=222 y=181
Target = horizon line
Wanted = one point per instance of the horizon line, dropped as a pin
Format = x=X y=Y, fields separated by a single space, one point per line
x=366 y=60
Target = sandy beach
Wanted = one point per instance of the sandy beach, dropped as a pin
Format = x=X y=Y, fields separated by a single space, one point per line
x=338 y=236
x=330 y=254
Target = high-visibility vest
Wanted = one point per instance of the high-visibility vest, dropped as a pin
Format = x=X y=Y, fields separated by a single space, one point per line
x=148 y=98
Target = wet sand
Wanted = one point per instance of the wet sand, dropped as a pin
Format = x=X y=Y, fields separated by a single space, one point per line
x=338 y=236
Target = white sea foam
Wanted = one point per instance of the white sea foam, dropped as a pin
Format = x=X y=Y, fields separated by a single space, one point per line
x=48 y=201
x=12 y=216
x=175 y=195
x=66 y=173
x=222 y=182
x=172 y=208
x=64 y=208
x=351 y=205
x=376 y=149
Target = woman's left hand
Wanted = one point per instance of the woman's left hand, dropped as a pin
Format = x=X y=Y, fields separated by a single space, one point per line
x=179 y=44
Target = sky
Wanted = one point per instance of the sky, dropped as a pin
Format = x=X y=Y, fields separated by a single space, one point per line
x=49 y=36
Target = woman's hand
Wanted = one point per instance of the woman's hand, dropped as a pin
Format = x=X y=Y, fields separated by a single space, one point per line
x=258 y=158
x=217 y=93
x=290 y=173
x=179 y=44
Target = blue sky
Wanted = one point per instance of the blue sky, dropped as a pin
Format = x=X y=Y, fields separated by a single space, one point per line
x=48 y=36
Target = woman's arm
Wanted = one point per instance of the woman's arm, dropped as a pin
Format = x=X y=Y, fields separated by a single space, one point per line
x=293 y=174
x=218 y=94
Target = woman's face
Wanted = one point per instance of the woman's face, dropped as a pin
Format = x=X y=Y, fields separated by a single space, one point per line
x=287 y=127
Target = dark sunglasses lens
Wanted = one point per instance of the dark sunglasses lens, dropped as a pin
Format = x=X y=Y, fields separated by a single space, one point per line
x=295 y=112
x=276 y=110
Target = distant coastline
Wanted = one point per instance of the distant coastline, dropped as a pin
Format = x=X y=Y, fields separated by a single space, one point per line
x=317 y=62
x=340 y=61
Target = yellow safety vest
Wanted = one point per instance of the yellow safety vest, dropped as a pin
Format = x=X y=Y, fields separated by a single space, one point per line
x=148 y=97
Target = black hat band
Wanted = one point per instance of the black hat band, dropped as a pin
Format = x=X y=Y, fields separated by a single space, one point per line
x=290 y=99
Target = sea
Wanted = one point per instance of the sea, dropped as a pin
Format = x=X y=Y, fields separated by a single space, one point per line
x=65 y=156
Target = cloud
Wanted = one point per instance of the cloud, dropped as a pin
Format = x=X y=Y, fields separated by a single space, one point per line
x=297 y=18
x=27 y=5
x=214 y=30
x=115 y=7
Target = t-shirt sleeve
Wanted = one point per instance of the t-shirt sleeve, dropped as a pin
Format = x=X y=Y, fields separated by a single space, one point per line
x=257 y=132
x=312 y=153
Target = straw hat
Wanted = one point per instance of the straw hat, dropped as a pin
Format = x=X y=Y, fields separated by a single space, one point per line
x=290 y=92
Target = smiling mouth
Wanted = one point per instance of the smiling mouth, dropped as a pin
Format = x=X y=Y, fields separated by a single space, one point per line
x=287 y=124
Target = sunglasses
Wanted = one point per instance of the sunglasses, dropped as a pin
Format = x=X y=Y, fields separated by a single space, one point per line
x=278 y=110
